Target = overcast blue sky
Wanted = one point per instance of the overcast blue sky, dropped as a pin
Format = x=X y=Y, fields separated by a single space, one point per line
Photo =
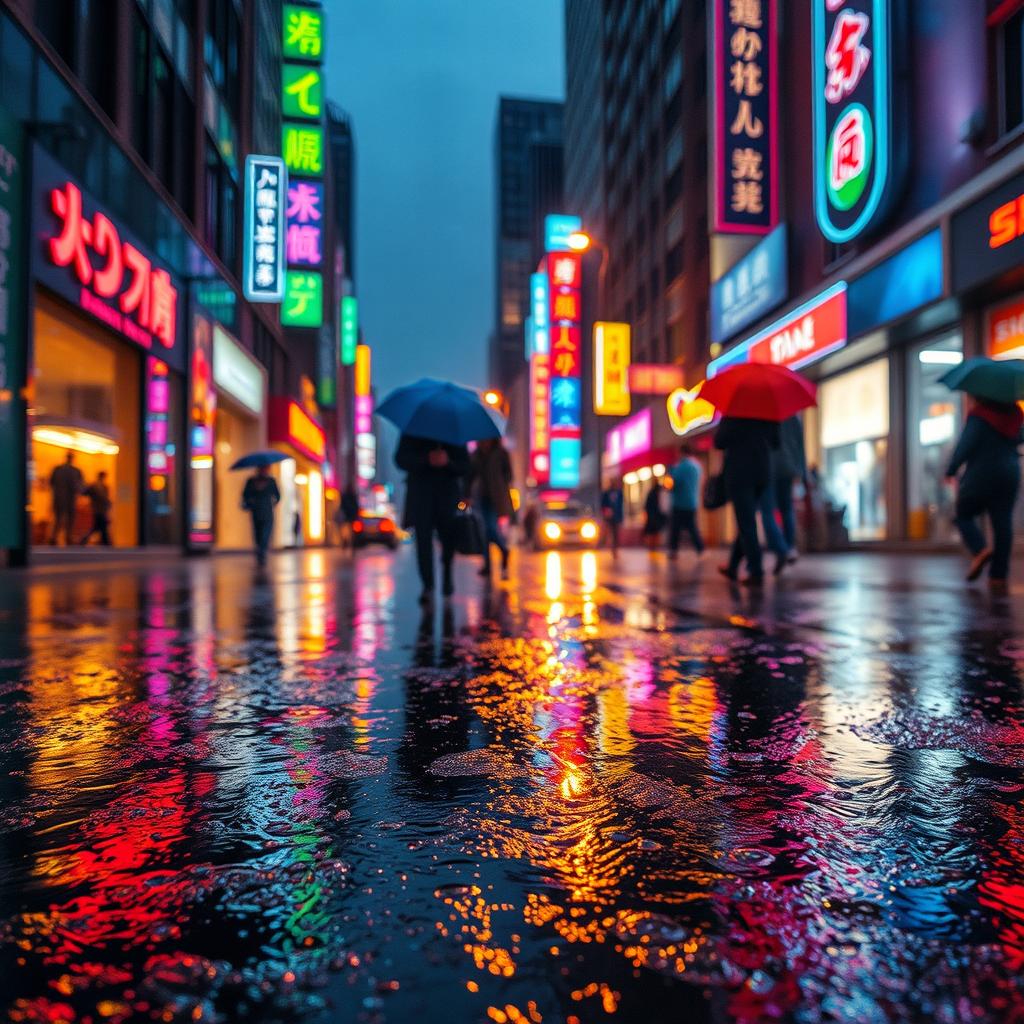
x=421 y=79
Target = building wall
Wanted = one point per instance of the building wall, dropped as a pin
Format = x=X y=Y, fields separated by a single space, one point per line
x=528 y=182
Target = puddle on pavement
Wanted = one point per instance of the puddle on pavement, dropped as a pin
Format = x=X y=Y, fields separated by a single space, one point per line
x=232 y=798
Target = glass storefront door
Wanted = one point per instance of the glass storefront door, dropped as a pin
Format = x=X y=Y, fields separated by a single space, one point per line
x=854 y=415
x=86 y=411
x=933 y=422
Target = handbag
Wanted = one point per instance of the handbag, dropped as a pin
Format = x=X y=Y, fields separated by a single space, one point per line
x=469 y=531
x=715 y=496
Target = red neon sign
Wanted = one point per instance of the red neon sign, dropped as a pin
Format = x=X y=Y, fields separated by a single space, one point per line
x=148 y=307
x=565 y=352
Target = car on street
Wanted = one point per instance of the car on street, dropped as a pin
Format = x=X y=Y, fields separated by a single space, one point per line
x=566 y=525
x=375 y=528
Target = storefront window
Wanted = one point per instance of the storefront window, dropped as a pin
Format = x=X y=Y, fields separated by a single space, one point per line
x=854 y=410
x=934 y=419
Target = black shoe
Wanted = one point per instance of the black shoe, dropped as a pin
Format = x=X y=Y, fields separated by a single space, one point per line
x=427 y=596
x=729 y=574
x=781 y=561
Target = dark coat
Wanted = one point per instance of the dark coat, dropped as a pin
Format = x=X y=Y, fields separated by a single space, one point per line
x=655 y=521
x=790 y=461
x=431 y=493
x=748 y=446
x=66 y=483
x=491 y=476
x=260 y=496
x=990 y=458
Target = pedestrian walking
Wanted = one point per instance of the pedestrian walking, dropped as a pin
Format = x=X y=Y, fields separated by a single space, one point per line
x=66 y=484
x=436 y=473
x=259 y=498
x=778 y=516
x=747 y=445
x=654 y=516
x=613 y=505
x=685 y=474
x=490 y=479
x=987 y=453
x=98 y=493
x=348 y=514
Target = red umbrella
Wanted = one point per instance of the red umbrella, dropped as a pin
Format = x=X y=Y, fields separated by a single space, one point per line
x=759 y=391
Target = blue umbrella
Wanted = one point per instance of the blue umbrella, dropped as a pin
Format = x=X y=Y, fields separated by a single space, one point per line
x=255 y=459
x=441 y=411
x=998 y=380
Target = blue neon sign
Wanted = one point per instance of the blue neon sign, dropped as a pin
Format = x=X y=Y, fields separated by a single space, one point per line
x=557 y=229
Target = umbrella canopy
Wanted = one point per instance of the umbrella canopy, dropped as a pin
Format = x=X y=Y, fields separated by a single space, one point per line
x=441 y=411
x=998 y=380
x=255 y=459
x=759 y=391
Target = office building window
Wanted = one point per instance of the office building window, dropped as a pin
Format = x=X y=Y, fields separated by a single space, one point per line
x=1010 y=53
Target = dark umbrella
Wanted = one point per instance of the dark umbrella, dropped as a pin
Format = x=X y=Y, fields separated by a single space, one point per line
x=759 y=391
x=997 y=380
x=256 y=459
x=441 y=411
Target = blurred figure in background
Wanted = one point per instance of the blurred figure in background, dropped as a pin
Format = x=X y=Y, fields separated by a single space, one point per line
x=66 y=484
x=654 y=522
x=747 y=470
x=490 y=480
x=98 y=494
x=348 y=513
x=613 y=513
x=686 y=474
x=987 y=452
x=434 y=487
x=259 y=499
x=789 y=464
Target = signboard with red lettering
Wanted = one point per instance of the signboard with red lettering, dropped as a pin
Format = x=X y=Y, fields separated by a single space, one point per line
x=809 y=333
x=1006 y=331
x=540 y=414
x=90 y=258
x=853 y=112
x=746 y=103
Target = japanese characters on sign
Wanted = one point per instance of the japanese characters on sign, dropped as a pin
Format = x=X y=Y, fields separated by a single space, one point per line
x=302 y=145
x=303 y=304
x=540 y=408
x=116 y=282
x=611 y=369
x=754 y=286
x=303 y=243
x=349 y=329
x=538 y=321
x=263 y=256
x=852 y=94
x=564 y=272
x=746 y=97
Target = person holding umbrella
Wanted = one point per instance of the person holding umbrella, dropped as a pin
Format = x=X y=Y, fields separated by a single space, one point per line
x=753 y=399
x=437 y=420
x=987 y=453
x=260 y=497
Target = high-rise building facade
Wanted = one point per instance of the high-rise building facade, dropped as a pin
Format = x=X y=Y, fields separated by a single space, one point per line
x=528 y=185
x=126 y=340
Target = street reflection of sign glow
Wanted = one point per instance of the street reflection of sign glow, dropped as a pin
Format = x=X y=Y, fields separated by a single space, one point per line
x=553 y=576
x=588 y=572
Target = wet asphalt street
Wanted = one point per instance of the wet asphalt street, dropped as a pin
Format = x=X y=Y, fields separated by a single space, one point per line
x=592 y=794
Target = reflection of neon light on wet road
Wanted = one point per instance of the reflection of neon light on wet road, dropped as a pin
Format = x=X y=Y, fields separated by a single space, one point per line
x=553 y=576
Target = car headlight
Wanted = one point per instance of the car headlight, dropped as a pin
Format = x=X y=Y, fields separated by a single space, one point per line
x=588 y=531
x=552 y=531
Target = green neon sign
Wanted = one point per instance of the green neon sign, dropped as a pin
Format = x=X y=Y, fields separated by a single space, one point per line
x=349 y=329
x=303 y=149
x=302 y=91
x=303 y=304
x=303 y=32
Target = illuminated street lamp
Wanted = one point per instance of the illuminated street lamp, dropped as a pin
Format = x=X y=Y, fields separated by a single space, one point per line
x=493 y=399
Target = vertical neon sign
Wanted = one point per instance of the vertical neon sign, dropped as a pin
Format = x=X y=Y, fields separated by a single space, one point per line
x=853 y=113
x=746 y=192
